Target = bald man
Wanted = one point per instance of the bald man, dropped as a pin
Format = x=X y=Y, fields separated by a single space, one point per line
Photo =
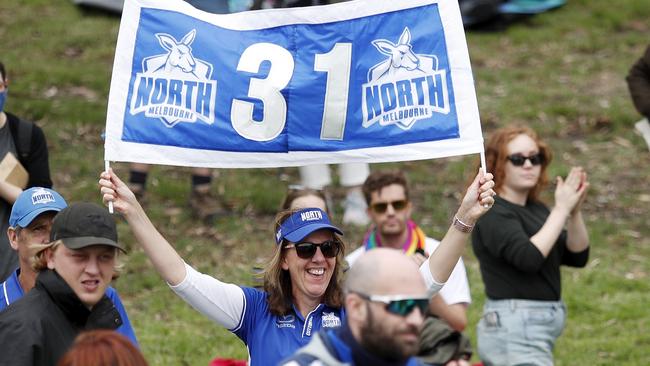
x=386 y=299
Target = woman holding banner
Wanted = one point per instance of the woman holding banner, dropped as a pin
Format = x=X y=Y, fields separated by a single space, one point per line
x=302 y=291
x=520 y=245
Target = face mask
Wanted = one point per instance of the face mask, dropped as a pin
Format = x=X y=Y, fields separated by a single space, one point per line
x=3 y=98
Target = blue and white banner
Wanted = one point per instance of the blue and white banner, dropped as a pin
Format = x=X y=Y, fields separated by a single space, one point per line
x=358 y=81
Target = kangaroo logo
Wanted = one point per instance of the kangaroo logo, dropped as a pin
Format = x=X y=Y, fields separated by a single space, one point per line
x=404 y=88
x=175 y=86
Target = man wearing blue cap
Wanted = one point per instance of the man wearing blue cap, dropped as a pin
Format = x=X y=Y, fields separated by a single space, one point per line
x=30 y=225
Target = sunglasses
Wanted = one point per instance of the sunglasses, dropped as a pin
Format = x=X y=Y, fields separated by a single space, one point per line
x=520 y=160
x=306 y=250
x=401 y=305
x=381 y=207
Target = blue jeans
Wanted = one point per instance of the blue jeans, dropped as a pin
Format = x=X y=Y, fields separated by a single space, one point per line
x=519 y=332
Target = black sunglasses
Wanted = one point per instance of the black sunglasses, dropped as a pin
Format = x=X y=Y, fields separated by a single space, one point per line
x=520 y=160
x=381 y=207
x=401 y=305
x=306 y=250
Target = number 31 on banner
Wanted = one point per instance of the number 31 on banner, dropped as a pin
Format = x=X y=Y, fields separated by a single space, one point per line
x=268 y=90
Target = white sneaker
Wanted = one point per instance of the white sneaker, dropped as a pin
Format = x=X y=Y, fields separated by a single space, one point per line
x=644 y=128
x=355 y=209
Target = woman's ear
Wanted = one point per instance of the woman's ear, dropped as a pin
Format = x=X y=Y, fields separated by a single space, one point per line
x=285 y=264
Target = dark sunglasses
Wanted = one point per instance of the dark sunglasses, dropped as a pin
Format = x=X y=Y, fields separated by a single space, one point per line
x=381 y=207
x=401 y=305
x=520 y=160
x=306 y=250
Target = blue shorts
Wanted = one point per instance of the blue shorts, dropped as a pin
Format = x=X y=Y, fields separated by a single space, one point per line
x=519 y=332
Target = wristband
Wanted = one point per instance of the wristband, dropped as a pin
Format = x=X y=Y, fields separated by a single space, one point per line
x=461 y=226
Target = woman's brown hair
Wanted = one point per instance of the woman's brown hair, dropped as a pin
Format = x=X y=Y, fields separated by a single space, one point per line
x=277 y=281
x=496 y=156
x=102 y=348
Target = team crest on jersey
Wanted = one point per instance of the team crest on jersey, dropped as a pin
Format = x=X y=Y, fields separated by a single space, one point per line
x=404 y=88
x=175 y=86
x=41 y=196
x=330 y=320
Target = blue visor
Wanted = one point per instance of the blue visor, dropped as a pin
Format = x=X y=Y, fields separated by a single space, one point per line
x=302 y=223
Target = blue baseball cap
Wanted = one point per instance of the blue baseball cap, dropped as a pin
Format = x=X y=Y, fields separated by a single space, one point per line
x=302 y=223
x=33 y=202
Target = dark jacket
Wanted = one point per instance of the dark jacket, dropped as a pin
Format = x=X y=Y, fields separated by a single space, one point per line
x=638 y=80
x=40 y=327
x=36 y=161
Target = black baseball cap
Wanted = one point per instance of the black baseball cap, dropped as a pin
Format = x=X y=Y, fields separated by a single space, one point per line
x=84 y=224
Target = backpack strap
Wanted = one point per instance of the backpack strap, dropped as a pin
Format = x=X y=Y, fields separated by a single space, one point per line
x=24 y=140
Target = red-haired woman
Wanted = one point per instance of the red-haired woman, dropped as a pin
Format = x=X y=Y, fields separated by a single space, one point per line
x=520 y=245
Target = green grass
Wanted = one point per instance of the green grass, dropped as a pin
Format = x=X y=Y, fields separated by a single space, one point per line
x=561 y=72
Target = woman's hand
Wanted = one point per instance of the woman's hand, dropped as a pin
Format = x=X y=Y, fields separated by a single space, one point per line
x=478 y=199
x=113 y=189
x=571 y=192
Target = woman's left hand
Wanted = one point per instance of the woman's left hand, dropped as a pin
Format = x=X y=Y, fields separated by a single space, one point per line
x=478 y=199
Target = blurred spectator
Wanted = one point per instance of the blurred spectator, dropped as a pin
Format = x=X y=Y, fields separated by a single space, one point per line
x=202 y=202
x=352 y=177
x=75 y=269
x=298 y=198
x=520 y=245
x=390 y=210
x=638 y=81
x=24 y=141
x=102 y=348
x=30 y=224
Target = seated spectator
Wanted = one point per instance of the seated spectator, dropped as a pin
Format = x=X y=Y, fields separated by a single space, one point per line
x=30 y=224
x=102 y=348
x=390 y=210
x=75 y=269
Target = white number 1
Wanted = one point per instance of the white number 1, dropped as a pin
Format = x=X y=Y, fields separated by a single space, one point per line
x=336 y=63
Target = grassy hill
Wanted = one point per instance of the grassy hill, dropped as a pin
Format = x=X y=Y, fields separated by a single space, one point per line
x=561 y=72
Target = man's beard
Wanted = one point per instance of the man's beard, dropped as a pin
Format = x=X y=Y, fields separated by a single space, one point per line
x=385 y=346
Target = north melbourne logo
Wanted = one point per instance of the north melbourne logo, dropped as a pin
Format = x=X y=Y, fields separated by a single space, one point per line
x=330 y=320
x=404 y=88
x=175 y=86
x=311 y=216
x=41 y=196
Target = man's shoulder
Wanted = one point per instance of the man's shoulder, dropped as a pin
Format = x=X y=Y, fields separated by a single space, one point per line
x=303 y=359
x=25 y=311
x=317 y=352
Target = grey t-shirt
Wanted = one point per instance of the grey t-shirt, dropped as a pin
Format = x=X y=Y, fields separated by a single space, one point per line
x=8 y=257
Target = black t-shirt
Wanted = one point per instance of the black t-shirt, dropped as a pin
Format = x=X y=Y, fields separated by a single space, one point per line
x=511 y=266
